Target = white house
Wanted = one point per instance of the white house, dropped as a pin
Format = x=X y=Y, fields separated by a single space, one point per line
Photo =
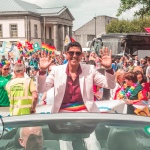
x=20 y=21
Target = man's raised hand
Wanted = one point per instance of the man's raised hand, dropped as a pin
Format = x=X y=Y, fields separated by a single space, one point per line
x=45 y=60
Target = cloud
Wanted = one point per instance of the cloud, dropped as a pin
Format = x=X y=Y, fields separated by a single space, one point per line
x=125 y=15
x=84 y=10
x=55 y=3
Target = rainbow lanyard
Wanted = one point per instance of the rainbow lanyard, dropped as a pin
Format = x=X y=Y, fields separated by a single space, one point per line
x=77 y=106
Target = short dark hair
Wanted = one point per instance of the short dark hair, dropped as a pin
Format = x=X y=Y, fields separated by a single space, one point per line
x=74 y=44
x=131 y=76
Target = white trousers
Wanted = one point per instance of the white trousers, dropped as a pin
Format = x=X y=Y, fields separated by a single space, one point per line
x=91 y=143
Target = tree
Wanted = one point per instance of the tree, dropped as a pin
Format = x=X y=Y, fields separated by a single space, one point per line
x=128 y=26
x=144 y=9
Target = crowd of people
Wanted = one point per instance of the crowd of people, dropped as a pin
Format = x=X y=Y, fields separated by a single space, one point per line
x=72 y=80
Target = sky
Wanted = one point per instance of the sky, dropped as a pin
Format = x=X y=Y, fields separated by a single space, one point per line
x=84 y=10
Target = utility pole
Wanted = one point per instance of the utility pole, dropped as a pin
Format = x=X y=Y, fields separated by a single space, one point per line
x=95 y=25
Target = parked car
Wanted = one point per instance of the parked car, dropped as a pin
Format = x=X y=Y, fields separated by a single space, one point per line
x=112 y=131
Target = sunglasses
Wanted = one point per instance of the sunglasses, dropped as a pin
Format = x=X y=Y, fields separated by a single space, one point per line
x=6 y=69
x=71 y=53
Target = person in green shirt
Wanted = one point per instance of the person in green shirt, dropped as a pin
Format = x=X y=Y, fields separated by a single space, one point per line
x=4 y=78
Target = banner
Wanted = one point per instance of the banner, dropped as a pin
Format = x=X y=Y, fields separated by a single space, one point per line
x=105 y=106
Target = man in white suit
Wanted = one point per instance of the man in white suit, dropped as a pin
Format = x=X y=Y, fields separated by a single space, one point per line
x=73 y=82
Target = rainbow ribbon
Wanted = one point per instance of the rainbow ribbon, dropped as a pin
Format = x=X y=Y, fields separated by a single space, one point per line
x=77 y=106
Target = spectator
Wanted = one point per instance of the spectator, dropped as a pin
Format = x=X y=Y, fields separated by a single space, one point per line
x=131 y=65
x=125 y=66
x=87 y=58
x=3 y=58
x=143 y=64
x=136 y=61
x=143 y=82
x=119 y=78
x=129 y=57
x=130 y=92
x=118 y=64
x=4 y=78
x=33 y=62
x=27 y=67
x=22 y=93
x=148 y=70
x=138 y=68
x=114 y=66
x=12 y=62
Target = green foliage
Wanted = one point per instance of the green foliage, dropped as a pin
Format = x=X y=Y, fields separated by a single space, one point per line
x=128 y=26
x=144 y=9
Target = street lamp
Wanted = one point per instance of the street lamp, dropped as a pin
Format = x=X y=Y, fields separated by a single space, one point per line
x=95 y=26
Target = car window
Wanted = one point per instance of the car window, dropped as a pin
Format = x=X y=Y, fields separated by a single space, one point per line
x=108 y=135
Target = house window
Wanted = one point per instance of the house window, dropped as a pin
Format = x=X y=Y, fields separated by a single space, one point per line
x=35 y=31
x=13 y=30
x=0 y=31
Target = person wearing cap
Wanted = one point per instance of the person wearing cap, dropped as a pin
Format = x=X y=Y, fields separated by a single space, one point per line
x=22 y=92
x=131 y=65
x=4 y=78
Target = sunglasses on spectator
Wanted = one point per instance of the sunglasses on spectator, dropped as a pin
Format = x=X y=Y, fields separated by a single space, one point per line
x=6 y=69
x=71 y=53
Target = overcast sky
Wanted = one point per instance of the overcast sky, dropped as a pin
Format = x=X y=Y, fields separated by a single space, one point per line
x=84 y=10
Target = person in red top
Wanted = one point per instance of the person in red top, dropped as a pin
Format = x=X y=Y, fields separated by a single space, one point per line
x=142 y=81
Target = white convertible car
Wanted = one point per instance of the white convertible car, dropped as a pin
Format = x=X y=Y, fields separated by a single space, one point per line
x=53 y=131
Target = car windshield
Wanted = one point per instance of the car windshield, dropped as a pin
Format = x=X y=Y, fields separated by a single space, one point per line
x=77 y=134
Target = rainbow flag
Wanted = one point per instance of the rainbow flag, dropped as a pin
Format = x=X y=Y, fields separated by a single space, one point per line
x=77 y=106
x=48 y=47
